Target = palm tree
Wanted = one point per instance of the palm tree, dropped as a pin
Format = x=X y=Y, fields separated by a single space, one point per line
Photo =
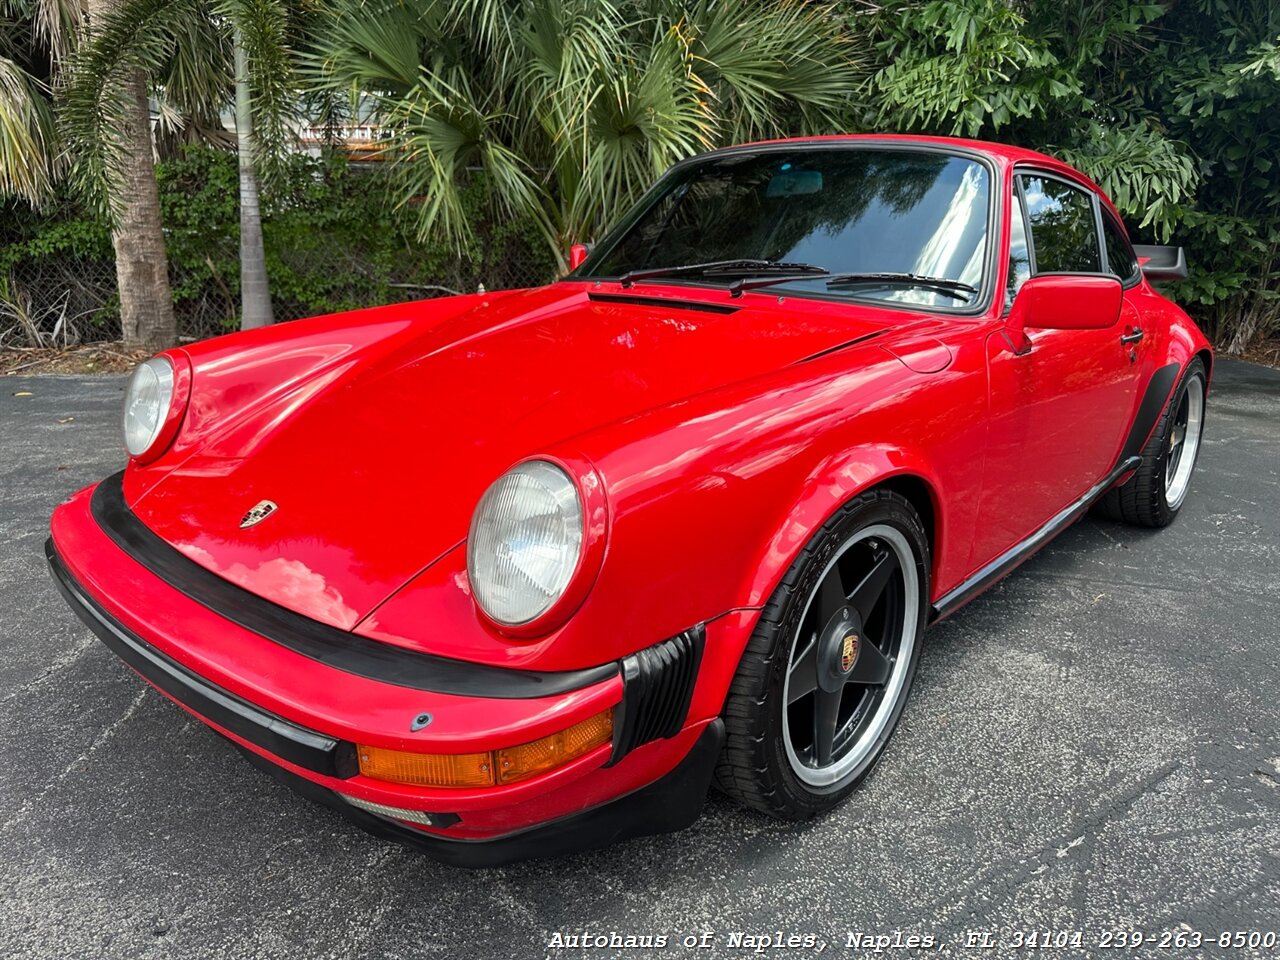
x=36 y=36
x=201 y=57
x=142 y=269
x=264 y=95
x=571 y=107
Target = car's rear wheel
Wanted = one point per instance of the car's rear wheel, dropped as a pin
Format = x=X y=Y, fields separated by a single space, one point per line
x=1153 y=496
x=826 y=674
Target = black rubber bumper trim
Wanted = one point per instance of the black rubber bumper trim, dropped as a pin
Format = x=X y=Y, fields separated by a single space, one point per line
x=669 y=804
x=340 y=649
x=288 y=741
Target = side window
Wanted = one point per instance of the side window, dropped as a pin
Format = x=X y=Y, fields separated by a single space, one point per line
x=1120 y=257
x=1063 y=232
x=1019 y=255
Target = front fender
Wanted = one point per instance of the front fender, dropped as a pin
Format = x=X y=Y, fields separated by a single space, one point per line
x=837 y=480
x=711 y=499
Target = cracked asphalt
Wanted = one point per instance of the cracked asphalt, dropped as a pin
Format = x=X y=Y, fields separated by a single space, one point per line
x=1092 y=746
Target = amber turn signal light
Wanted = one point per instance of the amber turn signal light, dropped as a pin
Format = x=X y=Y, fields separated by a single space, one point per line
x=427 y=769
x=486 y=769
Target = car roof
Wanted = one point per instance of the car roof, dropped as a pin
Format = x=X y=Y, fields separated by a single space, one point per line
x=1004 y=153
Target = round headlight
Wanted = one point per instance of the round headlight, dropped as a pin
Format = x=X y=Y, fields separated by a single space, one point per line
x=146 y=404
x=525 y=542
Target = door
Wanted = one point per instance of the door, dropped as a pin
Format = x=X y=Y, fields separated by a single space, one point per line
x=1059 y=412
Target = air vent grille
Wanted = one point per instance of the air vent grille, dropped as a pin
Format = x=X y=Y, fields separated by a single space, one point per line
x=658 y=687
x=668 y=302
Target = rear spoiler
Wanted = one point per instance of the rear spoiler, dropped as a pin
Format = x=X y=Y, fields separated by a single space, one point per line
x=1161 y=263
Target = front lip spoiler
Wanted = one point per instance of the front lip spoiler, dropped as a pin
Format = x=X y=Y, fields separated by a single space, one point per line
x=298 y=745
x=340 y=649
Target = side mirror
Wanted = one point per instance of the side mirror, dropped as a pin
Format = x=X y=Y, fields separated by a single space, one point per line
x=577 y=253
x=1063 y=302
x=1161 y=263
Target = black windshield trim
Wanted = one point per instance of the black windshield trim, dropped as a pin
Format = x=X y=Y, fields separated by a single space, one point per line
x=995 y=210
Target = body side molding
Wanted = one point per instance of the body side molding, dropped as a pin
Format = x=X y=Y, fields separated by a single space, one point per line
x=1004 y=564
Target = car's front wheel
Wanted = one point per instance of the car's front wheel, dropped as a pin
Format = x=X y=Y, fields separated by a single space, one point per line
x=826 y=673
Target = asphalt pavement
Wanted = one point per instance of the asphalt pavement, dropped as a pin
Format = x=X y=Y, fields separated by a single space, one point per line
x=1092 y=747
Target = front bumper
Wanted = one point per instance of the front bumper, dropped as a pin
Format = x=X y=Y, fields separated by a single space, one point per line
x=300 y=716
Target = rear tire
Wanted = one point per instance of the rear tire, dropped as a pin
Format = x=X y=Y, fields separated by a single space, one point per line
x=827 y=671
x=1153 y=496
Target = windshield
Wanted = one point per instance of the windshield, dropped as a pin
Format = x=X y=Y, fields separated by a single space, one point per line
x=915 y=215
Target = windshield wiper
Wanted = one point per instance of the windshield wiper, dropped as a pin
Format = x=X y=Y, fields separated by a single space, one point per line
x=955 y=288
x=753 y=283
x=739 y=265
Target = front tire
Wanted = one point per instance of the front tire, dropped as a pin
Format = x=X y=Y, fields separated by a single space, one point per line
x=1153 y=496
x=827 y=671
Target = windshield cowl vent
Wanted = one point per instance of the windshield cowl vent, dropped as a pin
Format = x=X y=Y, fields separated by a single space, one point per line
x=669 y=302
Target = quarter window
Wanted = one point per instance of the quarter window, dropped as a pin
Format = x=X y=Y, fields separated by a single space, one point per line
x=1064 y=234
x=1120 y=257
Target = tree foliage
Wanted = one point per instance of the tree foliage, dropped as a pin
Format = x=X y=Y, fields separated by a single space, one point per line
x=558 y=113
x=333 y=239
x=185 y=48
x=1170 y=107
x=34 y=36
x=573 y=107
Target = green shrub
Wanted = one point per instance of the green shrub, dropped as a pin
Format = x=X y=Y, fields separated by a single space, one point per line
x=334 y=241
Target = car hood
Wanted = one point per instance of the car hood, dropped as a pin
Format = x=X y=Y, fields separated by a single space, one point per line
x=374 y=466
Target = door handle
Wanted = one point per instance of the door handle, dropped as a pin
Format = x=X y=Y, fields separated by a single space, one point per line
x=1132 y=337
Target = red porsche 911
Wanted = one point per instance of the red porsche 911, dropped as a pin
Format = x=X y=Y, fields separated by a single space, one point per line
x=520 y=573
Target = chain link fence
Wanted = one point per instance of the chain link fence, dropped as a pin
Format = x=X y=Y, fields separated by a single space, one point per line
x=64 y=301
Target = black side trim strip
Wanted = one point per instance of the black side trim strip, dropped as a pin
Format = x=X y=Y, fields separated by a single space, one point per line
x=662 y=302
x=1153 y=400
x=335 y=648
x=1002 y=565
x=298 y=745
x=669 y=804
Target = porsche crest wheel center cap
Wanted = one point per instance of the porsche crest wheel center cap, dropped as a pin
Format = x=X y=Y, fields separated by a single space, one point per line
x=848 y=652
x=838 y=646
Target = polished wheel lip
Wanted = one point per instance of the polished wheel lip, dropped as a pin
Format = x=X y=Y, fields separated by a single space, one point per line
x=856 y=756
x=1184 y=441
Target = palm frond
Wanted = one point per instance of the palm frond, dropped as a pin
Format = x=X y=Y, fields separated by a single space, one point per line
x=573 y=107
x=263 y=29
x=375 y=46
x=139 y=35
x=491 y=23
x=766 y=61
x=443 y=128
x=652 y=110
x=27 y=139
x=196 y=79
x=58 y=24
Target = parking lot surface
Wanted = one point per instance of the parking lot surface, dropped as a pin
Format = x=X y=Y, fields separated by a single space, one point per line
x=1092 y=746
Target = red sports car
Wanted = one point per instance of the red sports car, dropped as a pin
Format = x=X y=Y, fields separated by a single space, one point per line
x=518 y=573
